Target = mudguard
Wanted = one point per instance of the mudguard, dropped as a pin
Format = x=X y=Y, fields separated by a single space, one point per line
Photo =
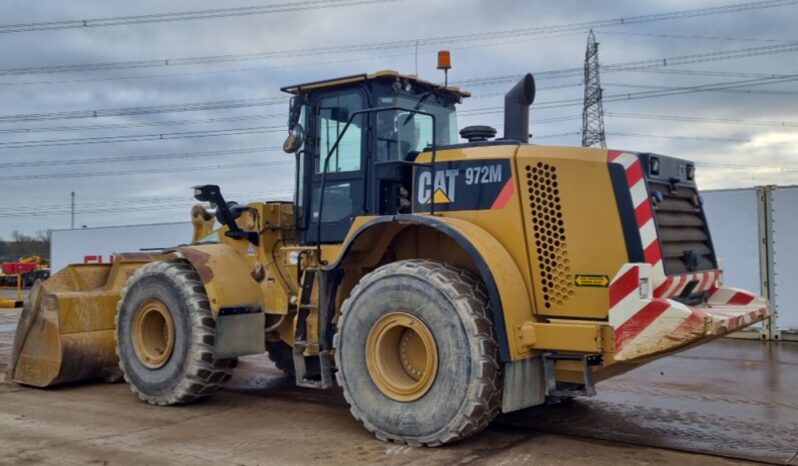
x=508 y=294
x=225 y=274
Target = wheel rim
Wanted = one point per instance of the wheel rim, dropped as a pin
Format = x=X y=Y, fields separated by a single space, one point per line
x=153 y=334
x=401 y=356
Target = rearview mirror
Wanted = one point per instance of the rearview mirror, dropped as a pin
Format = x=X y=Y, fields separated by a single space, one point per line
x=296 y=136
x=206 y=193
x=294 y=111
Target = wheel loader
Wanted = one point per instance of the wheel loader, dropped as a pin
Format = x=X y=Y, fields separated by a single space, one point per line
x=436 y=281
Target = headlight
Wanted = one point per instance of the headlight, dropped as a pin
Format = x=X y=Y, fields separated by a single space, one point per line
x=654 y=165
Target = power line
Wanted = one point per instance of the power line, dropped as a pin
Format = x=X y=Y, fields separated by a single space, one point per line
x=684 y=138
x=658 y=92
x=644 y=94
x=114 y=210
x=195 y=73
x=126 y=111
x=139 y=200
x=228 y=104
x=182 y=16
x=511 y=33
x=139 y=125
x=645 y=135
x=197 y=121
x=127 y=203
x=272 y=67
x=732 y=91
x=93 y=67
x=780 y=168
x=693 y=37
x=139 y=158
x=148 y=171
x=263 y=101
x=537 y=89
x=556 y=135
x=654 y=65
x=731 y=74
x=187 y=155
x=141 y=137
x=732 y=121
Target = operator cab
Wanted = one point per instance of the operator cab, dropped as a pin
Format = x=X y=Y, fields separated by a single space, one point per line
x=358 y=137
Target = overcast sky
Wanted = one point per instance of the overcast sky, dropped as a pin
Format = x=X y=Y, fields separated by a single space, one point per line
x=730 y=154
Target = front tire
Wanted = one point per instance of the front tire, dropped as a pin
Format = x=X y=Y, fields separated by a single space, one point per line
x=416 y=353
x=165 y=333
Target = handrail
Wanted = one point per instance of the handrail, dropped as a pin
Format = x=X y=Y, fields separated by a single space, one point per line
x=335 y=146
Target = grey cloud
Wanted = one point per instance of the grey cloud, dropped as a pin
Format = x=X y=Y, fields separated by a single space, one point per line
x=356 y=25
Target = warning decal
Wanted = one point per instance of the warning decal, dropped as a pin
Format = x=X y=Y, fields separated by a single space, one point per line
x=596 y=281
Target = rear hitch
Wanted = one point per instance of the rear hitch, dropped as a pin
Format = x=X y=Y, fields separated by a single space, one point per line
x=570 y=390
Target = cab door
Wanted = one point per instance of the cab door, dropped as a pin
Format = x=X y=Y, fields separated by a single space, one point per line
x=344 y=186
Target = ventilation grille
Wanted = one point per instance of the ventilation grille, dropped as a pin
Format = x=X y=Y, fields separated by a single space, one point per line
x=549 y=235
x=682 y=229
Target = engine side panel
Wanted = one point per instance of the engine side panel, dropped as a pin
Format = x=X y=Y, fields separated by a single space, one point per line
x=573 y=229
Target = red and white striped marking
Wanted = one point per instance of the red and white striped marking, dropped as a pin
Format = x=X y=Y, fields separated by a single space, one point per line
x=664 y=286
x=647 y=325
x=644 y=211
x=674 y=285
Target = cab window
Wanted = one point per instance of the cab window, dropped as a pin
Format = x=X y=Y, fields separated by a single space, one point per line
x=402 y=133
x=333 y=114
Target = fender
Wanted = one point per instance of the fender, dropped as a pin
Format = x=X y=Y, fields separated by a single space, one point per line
x=508 y=295
x=225 y=274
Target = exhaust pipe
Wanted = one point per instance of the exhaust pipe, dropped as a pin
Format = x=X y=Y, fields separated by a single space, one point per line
x=516 y=109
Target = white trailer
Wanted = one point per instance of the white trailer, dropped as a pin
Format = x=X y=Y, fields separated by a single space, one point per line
x=754 y=231
x=98 y=245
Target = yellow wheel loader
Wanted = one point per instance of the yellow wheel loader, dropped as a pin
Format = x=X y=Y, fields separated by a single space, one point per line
x=437 y=282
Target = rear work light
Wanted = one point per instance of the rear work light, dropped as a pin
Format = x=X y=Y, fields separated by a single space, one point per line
x=654 y=166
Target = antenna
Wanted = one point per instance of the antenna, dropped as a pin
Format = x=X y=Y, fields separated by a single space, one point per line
x=416 y=56
x=72 y=212
x=593 y=109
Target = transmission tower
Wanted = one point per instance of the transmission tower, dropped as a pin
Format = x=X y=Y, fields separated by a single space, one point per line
x=593 y=110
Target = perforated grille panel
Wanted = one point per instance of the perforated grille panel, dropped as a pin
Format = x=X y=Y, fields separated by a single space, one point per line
x=548 y=229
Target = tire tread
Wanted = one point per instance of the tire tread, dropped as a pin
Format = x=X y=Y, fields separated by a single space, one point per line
x=203 y=374
x=466 y=291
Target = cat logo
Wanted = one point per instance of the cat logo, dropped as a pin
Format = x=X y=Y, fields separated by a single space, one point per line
x=442 y=191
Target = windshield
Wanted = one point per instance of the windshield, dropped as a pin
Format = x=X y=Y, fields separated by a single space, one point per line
x=401 y=134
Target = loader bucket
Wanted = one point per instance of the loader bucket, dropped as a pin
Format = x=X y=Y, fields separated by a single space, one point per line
x=66 y=330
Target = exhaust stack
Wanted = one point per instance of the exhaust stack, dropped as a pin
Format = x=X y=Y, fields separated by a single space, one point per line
x=516 y=109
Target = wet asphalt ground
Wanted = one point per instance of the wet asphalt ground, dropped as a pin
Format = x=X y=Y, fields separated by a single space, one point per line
x=721 y=403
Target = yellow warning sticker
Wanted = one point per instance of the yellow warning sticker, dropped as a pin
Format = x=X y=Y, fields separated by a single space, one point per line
x=596 y=281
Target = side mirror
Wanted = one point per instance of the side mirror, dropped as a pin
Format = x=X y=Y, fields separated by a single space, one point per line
x=206 y=193
x=296 y=136
x=294 y=111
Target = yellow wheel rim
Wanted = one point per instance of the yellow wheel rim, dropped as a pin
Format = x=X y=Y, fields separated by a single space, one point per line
x=401 y=356
x=153 y=333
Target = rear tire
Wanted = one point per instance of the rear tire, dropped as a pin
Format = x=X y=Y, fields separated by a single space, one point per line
x=165 y=333
x=432 y=321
